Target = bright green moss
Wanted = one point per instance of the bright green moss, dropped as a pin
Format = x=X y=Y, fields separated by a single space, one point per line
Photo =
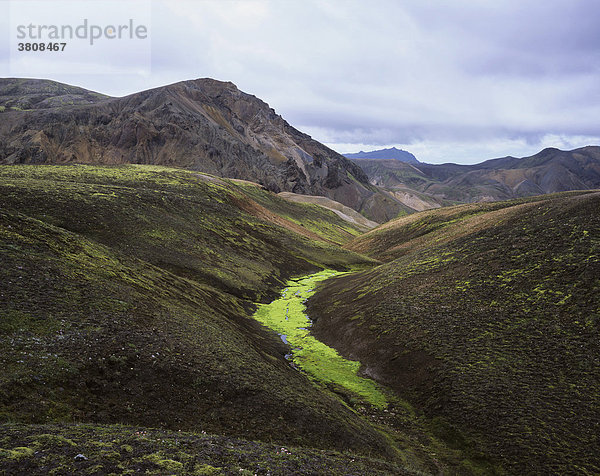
x=16 y=453
x=287 y=317
x=206 y=469
x=167 y=464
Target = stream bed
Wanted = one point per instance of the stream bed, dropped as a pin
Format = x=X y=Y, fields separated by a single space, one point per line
x=287 y=316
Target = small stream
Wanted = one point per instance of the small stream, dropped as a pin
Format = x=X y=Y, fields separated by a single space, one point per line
x=287 y=317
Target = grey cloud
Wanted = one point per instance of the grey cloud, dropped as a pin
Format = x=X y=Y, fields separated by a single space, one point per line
x=432 y=73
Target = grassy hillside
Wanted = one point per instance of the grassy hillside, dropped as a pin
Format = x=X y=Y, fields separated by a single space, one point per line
x=194 y=225
x=486 y=317
x=126 y=298
x=422 y=230
x=126 y=294
x=343 y=211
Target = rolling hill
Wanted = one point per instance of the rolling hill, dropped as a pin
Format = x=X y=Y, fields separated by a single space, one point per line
x=484 y=316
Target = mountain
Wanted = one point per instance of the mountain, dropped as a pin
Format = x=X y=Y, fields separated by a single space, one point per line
x=393 y=153
x=549 y=171
x=205 y=125
x=31 y=94
x=402 y=180
x=485 y=317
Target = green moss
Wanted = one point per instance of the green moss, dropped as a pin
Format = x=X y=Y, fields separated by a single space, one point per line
x=16 y=453
x=110 y=455
x=170 y=452
x=12 y=321
x=165 y=463
x=127 y=448
x=48 y=439
x=287 y=317
x=207 y=469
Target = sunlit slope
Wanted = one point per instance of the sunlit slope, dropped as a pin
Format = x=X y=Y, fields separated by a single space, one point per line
x=487 y=317
x=125 y=297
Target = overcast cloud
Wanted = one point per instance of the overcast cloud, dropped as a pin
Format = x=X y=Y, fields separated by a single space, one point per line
x=458 y=81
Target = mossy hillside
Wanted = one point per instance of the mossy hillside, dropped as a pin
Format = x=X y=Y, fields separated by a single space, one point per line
x=287 y=317
x=491 y=330
x=188 y=223
x=91 y=332
x=124 y=341
x=115 y=449
x=421 y=230
x=94 y=333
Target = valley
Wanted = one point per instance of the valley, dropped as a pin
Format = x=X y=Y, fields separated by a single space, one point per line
x=287 y=317
x=190 y=285
x=127 y=299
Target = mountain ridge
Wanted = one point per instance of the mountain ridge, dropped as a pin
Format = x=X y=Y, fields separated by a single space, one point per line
x=391 y=153
x=202 y=124
x=549 y=171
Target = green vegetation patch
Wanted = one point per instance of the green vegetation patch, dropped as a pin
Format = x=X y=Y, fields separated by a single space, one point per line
x=287 y=316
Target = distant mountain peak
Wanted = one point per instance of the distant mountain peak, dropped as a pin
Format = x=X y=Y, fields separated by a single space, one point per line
x=391 y=153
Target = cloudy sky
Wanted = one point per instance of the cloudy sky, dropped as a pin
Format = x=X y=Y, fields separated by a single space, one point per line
x=460 y=81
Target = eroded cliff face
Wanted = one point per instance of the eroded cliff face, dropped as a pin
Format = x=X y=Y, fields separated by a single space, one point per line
x=203 y=124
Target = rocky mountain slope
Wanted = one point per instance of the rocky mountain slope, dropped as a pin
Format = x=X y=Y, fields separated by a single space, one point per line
x=486 y=317
x=204 y=125
x=29 y=94
x=393 y=153
x=549 y=171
